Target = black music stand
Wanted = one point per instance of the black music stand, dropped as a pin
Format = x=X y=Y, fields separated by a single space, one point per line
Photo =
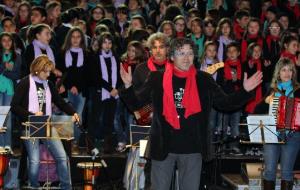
x=262 y=130
x=134 y=171
x=40 y=127
x=4 y=112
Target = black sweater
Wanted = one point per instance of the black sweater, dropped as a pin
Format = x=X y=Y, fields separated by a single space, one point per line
x=75 y=76
x=20 y=100
x=210 y=94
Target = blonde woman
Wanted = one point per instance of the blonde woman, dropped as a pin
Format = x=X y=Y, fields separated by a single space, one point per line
x=34 y=96
x=284 y=83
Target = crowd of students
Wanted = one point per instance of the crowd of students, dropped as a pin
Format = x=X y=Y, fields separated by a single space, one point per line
x=88 y=41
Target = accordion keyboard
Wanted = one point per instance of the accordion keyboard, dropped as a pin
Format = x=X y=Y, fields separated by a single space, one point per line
x=273 y=107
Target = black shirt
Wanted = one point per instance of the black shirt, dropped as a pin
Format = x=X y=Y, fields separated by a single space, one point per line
x=41 y=93
x=184 y=140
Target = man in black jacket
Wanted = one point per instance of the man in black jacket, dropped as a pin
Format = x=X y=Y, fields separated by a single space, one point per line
x=182 y=98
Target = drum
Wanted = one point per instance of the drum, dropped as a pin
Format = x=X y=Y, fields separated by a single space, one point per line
x=4 y=160
x=90 y=173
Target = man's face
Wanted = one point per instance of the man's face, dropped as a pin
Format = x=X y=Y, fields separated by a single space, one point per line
x=159 y=51
x=284 y=20
x=183 y=57
x=36 y=18
x=243 y=21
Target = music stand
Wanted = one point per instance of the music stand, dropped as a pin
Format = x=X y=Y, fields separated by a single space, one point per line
x=40 y=127
x=134 y=177
x=262 y=130
x=4 y=111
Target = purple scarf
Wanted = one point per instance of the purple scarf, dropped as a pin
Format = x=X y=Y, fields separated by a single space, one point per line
x=37 y=50
x=222 y=42
x=33 y=103
x=206 y=63
x=69 y=58
x=105 y=94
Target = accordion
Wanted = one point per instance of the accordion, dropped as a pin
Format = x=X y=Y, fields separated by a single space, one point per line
x=286 y=111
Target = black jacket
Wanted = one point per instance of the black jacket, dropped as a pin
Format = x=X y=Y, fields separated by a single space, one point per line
x=20 y=100
x=210 y=94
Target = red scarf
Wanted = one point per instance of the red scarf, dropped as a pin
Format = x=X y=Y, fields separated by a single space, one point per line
x=271 y=38
x=295 y=9
x=238 y=30
x=126 y=63
x=274 y=2
x=190 y=100
x=258 y=93
x=151 y=63
x=292 y=57
x=227 y=69
x=180 y=34
x=245 y=45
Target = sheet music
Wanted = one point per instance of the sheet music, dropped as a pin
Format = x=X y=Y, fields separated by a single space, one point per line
x=4 y=110
x=270 y=133
x=143 y=145
x=2 y=120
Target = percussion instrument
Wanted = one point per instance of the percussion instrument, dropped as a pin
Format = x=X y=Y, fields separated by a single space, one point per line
x=4 y=160
x=286 y=111
x=90 y=173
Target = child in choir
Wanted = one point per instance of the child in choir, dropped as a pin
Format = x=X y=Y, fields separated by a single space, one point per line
x=253 y=64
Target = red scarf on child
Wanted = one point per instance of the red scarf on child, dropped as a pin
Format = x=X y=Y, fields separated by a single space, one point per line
x=295 y=9
x=292 y=57
x=152 y=62
x=258 y=93
x=271 y=38
x=238 y=30
x=227 y=69
x=245 y=45
x=190 y=100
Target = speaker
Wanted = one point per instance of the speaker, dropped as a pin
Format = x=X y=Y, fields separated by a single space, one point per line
x=11 y=180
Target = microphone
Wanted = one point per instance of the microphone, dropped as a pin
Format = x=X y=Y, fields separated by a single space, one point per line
x=94 y=153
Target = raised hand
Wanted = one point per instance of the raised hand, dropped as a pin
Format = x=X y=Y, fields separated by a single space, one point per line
x=126 y=76
x=252 y=82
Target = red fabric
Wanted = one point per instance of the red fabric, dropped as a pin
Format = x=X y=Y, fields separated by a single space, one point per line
x=263 y=16
x=250 y=107
x=244 y=47
x=274 y=2
x=295 y=9
x=180 y=34
x=238 y=30
x=93 y=26
x=152 y=62
x=190 y=100
x=126 y=63
x=227 y=69
x=271 y=38
x=286 y=54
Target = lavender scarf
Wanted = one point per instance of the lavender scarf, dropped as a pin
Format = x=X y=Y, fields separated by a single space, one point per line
x=69 y=58
x=208 y=62
x=37 y=50
x=222 y=42
x=105 y=94
x=33 y=103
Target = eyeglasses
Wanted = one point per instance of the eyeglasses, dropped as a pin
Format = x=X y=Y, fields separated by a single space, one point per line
x=274 y=27
x=183 y=54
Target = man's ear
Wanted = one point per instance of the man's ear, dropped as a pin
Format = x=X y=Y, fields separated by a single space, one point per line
x=172 y=57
